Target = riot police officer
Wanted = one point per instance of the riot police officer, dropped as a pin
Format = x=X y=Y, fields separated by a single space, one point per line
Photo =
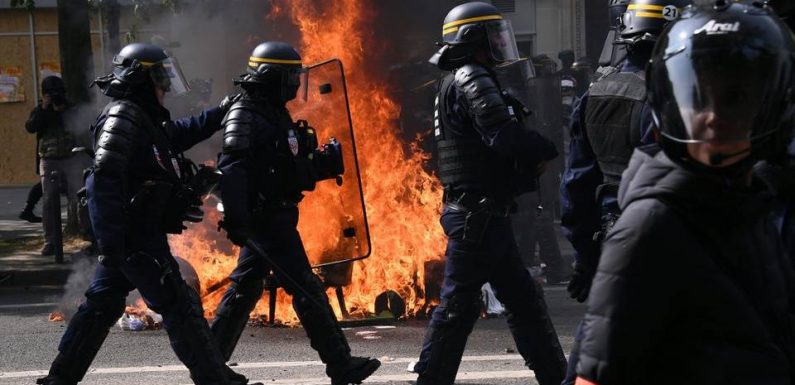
x=693 y=287
x=486 y=158
x=268 y=161
x=613 y=55
x=136 y=195
x=608 y=122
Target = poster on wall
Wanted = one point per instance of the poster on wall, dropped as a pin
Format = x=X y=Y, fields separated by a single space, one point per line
x=11 y=87
x=49 y=69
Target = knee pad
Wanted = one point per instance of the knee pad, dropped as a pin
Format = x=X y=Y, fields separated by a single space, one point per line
x=462 y=307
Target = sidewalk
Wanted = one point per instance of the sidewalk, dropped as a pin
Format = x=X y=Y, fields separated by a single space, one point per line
x=20 y=243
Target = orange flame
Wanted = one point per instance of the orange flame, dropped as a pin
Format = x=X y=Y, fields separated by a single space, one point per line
x=402 y=199
x=56 y=316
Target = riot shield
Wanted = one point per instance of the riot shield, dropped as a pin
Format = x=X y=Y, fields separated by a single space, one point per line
x=548 y=114
x=333 y=222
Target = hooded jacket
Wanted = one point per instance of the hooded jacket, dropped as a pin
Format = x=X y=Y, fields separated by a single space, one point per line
x=693 y=286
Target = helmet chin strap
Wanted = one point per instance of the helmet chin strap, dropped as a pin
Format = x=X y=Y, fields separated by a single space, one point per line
x=717 y=159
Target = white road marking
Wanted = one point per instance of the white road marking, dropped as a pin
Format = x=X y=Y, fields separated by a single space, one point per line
x=29 y=305
x=381 y=379
x=256 y=365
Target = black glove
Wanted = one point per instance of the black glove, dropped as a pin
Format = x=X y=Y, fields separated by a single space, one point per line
x=228 y=101
x=581 y=279
x=237 y=234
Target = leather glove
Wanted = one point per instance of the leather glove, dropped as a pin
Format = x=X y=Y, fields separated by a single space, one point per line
x=237 y=234
x=581 y=280
x=228 y=101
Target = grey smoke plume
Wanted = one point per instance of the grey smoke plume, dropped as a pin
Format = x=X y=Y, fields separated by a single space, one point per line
x=76 y=285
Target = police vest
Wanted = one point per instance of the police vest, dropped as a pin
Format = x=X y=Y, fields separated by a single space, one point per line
x=287 y=168
x=612 y=121
x=464 y=161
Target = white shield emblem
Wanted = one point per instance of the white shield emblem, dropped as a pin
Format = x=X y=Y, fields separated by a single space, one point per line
x=293 y=141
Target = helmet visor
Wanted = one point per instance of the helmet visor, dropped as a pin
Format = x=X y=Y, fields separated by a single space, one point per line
x=502 y=41
x=167 y=75
x=719 y=95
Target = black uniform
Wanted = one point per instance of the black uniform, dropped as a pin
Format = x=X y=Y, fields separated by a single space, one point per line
x=486 y=158
x=268 y=162
x=137 y=195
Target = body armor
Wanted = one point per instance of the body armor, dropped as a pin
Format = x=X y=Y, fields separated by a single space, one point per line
x=159 y=191
x=613 y=116
x=290 y=161
x=465 y=162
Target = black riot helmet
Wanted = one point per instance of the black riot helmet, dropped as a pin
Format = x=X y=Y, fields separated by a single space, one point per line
x=616 y=8
x=722 y=77
x=644 y=20
x=473 y=27
x=274 y=71
x=139 y=67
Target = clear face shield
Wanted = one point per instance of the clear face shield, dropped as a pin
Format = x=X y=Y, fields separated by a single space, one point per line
x=167 y=75
x=723 y=99
x=502 y=41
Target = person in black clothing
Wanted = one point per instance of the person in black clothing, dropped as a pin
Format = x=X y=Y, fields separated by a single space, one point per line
x=486 y=158
x=268 y=161
x=693 y=285
x=57 y=163
x=138 y=192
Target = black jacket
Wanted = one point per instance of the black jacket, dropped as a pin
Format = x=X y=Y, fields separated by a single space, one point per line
x=693 y=286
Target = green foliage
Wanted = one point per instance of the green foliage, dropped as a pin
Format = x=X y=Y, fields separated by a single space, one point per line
x=130 y=36
x=143 y=8
x=29 y=4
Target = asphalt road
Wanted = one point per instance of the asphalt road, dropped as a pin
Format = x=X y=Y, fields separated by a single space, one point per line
x=28 y=343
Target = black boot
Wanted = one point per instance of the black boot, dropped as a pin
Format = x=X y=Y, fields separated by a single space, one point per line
x=325 y=335
x=356 y=370
x=236 y=378
x=83 y=338
x=232 y=314
x=28 y=215
x=51 y=380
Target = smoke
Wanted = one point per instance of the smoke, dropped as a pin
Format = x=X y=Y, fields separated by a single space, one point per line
x=83 y=268
x=213 y=39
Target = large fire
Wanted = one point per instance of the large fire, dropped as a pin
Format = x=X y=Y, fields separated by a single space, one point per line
x=402 y=199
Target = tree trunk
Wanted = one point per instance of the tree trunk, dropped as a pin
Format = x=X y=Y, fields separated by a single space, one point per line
x=111 y=12
x=74 y=43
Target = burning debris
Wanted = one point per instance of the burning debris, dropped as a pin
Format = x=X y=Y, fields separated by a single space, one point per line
x=137 y=319
x=402 y=198
x=56 y=316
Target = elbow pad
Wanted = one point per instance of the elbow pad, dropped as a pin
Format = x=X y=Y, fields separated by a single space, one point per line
x=486 y=103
